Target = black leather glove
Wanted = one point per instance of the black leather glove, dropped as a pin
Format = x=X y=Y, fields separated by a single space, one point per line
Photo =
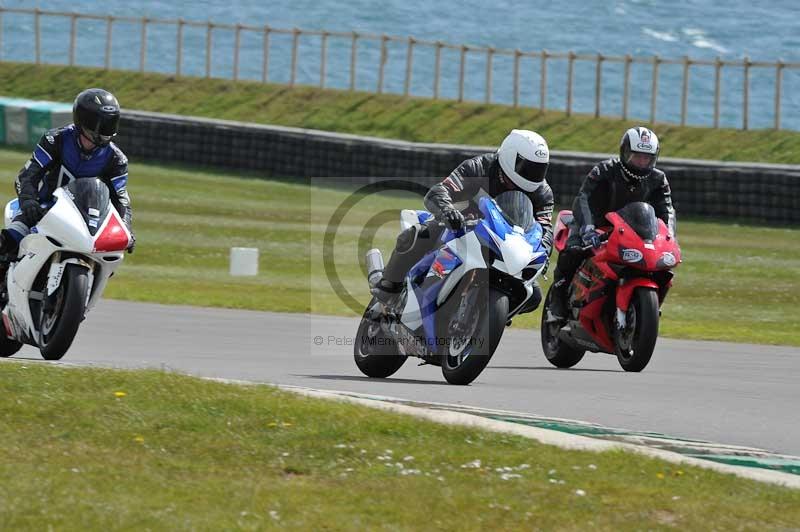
x=32 y=210
x=453 y=219
x=132 y=245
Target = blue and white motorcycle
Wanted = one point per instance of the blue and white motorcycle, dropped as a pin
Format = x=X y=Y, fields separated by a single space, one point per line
x=460 y=296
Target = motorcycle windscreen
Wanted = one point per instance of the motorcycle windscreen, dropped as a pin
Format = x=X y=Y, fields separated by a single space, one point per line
x=517 y=209
x=642 y=219
x=92 y=199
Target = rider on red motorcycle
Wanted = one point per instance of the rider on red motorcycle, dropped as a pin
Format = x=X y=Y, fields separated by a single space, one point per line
x=611 y=185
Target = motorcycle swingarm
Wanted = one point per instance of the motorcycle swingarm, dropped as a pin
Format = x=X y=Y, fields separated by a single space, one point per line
x=574 y=335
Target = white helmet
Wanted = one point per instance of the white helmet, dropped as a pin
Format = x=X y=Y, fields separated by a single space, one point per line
x=638 y=152
x=524 y=157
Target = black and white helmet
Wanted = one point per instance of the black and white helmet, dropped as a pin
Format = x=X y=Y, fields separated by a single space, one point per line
x=638 y=152
x=524 y=157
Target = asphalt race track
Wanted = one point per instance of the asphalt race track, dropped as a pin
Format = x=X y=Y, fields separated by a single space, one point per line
x=735 y=394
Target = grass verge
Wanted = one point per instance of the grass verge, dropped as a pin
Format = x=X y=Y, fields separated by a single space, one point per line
x=391 y=116
x=103 y=449
x=737 y=283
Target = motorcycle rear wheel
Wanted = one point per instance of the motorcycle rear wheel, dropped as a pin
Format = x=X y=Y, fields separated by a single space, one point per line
x=375 y=354
x=557 y=352
x=8 y=346
x=59 y=321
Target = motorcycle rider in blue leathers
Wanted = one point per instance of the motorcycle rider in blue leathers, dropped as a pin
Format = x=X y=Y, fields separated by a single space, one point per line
x=80 y=150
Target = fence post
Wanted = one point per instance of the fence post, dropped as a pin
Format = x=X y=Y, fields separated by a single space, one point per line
x=543 y=82
x=353 y=53
x=461 y=69
x=179 y=49
x=109 y=25
x=654 y=90
x=626 y=88
x=382 y=63
x=143 y=47
x=323 y=59
x=778 y=82
x=717 y=87
x=72 y=30
x=295 y=44
x=437 y=70
x=409 y=64
x=746 y=99
x=236 y=42
x=685 y=93
x=570 y=70
x=208 y=49
x=38 y=35
x=265 y=56
x=489 y=57
x=517 y=55
x=598 y=84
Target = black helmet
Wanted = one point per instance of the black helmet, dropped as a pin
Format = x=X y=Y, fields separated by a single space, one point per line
x=638 y=152
x=96 y=114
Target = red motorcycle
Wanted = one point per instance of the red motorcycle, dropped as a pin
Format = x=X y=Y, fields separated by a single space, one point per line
x=615 y=297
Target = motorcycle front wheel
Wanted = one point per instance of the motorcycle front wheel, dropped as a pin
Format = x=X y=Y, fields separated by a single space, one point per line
x=62 y=313
x=635 y=344
x=468 y=346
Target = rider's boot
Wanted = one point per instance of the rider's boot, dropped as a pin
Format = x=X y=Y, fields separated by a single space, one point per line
x=558 y=299
x=389 y=293
x=8 y=244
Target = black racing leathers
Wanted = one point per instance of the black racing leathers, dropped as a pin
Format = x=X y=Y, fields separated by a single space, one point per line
x=460 y=190
x=464 y=185
x=607 y=189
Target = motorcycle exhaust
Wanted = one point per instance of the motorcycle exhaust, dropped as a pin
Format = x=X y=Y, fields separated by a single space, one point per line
x=374 y=261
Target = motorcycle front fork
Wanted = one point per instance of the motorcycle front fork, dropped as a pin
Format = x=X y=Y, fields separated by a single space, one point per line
x=461 y=321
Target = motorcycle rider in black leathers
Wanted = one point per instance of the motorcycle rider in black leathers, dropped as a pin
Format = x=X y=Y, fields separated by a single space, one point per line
x=82 y=149
x=519 y=164
x=611 y=185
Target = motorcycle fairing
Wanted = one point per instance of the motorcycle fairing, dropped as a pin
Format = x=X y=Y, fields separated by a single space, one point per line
x=62 y=237
x=431 y=281
x=409 y=217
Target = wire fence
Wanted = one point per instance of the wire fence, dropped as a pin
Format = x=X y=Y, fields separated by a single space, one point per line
x=615 y=86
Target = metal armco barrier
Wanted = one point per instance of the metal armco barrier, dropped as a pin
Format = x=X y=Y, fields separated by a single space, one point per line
x=741 y=191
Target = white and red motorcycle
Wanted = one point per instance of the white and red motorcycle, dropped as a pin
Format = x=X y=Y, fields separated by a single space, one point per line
x=61 y=269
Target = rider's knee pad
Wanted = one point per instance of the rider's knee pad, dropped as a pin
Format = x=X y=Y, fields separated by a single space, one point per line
x=407 y=239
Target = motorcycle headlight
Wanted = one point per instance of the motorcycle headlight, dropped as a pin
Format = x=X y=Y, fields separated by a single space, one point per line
x=666 y=261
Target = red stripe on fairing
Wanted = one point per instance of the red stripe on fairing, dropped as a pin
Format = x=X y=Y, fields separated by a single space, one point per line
x=113 y=237
x=7 y=325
